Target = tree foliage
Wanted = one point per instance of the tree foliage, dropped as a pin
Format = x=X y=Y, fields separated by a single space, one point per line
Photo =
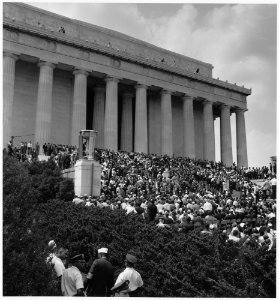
x=172 y=263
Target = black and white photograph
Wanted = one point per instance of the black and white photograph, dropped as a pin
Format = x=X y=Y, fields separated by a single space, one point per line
x=139 y=149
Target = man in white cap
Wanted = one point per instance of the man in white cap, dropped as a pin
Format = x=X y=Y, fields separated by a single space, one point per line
x=129 y=276
x=100 y=276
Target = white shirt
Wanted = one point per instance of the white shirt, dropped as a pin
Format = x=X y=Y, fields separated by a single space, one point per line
x=273 y=181
x=77 y=200
x=207 y=206
x=133 y=276
x=71 y=281
x=129 y=209
x=58 y=265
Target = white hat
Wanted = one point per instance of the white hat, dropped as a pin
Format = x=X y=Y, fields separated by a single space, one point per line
x=52 y=243
x=103 y=250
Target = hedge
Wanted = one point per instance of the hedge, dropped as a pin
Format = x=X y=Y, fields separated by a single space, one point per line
x=172 y=263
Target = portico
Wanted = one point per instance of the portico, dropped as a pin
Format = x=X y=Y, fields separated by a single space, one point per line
x=138 y=103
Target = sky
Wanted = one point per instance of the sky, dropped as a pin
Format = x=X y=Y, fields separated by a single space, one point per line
x=239 y=40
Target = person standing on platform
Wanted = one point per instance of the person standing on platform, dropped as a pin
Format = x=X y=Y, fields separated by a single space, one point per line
x=100 y=276
x=273 y=183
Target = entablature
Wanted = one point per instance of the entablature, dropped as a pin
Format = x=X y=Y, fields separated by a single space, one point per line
x=78 y=40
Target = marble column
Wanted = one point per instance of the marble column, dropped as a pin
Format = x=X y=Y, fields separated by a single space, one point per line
x=241 y=145
x=111 y=114
x=166 y=124
x=127 y=122
x=188 y=127
x=9 y=62
x=208 y=129
x=79 y=105
x=99 y=115
x=44 y=105
x=141 y=137
x=226 y=137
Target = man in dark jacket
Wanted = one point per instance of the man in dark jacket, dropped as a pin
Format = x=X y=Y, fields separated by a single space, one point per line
x=100 y=277
x=151 y=210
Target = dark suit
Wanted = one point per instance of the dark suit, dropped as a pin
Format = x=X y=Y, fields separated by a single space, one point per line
x=102 y=278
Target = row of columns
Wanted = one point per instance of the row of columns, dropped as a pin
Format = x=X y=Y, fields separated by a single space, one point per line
x=106 y=104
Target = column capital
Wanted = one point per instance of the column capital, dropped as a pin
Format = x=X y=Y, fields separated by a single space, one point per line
x=207 y=102
x=46 y=63
x=188 y=97
x=240 y=110
x=80 y=71
x=166 y=92
x=139 y=85
x=223 y=105
x=11 y=55
x=114 y=79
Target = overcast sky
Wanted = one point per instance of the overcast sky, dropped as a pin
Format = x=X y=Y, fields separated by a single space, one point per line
x=238 y=39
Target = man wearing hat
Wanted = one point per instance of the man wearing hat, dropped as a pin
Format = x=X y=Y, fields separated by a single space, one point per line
x=71 y=282
x=130 y=275
x=100 y=276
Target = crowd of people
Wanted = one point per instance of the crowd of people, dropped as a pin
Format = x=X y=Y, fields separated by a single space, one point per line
x=72 y=278
x=188 y=194
x=65 y=156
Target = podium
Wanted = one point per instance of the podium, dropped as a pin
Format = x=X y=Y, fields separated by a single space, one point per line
x=87 y=171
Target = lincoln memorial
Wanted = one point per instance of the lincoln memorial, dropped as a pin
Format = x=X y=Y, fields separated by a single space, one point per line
x=61 y=76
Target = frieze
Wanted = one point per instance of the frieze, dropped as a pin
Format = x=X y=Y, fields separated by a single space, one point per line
x=49 y=45
x=11 y=35
x=229 y=94
x=145 y=71
x=220 y=92
x=84 y=54
x=170 y=78
x=236 y=96
x=116 y=63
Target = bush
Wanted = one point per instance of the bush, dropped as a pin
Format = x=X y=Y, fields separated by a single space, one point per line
x=172 y=264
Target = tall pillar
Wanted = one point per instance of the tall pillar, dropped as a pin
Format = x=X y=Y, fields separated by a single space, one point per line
x=99 y=115
x=44 y=105
x=188 y=127
x=127 y=122
x=241 y=145
x=111 y=114
x=226 y=137
x=166 y=124
x=208 y=129
x=79 y=105
x=141 y=137
x=9 y=62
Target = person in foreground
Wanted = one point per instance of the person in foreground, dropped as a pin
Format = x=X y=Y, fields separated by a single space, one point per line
x=71 y=282
x=100 y=276
x=129 y=281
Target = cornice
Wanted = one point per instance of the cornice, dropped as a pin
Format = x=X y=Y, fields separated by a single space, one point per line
x=119 y=54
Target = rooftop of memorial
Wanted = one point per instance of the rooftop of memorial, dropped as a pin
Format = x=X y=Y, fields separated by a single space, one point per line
x=34 y=21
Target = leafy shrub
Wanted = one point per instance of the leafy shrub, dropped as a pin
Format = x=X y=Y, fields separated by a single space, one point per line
x=172 y=264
